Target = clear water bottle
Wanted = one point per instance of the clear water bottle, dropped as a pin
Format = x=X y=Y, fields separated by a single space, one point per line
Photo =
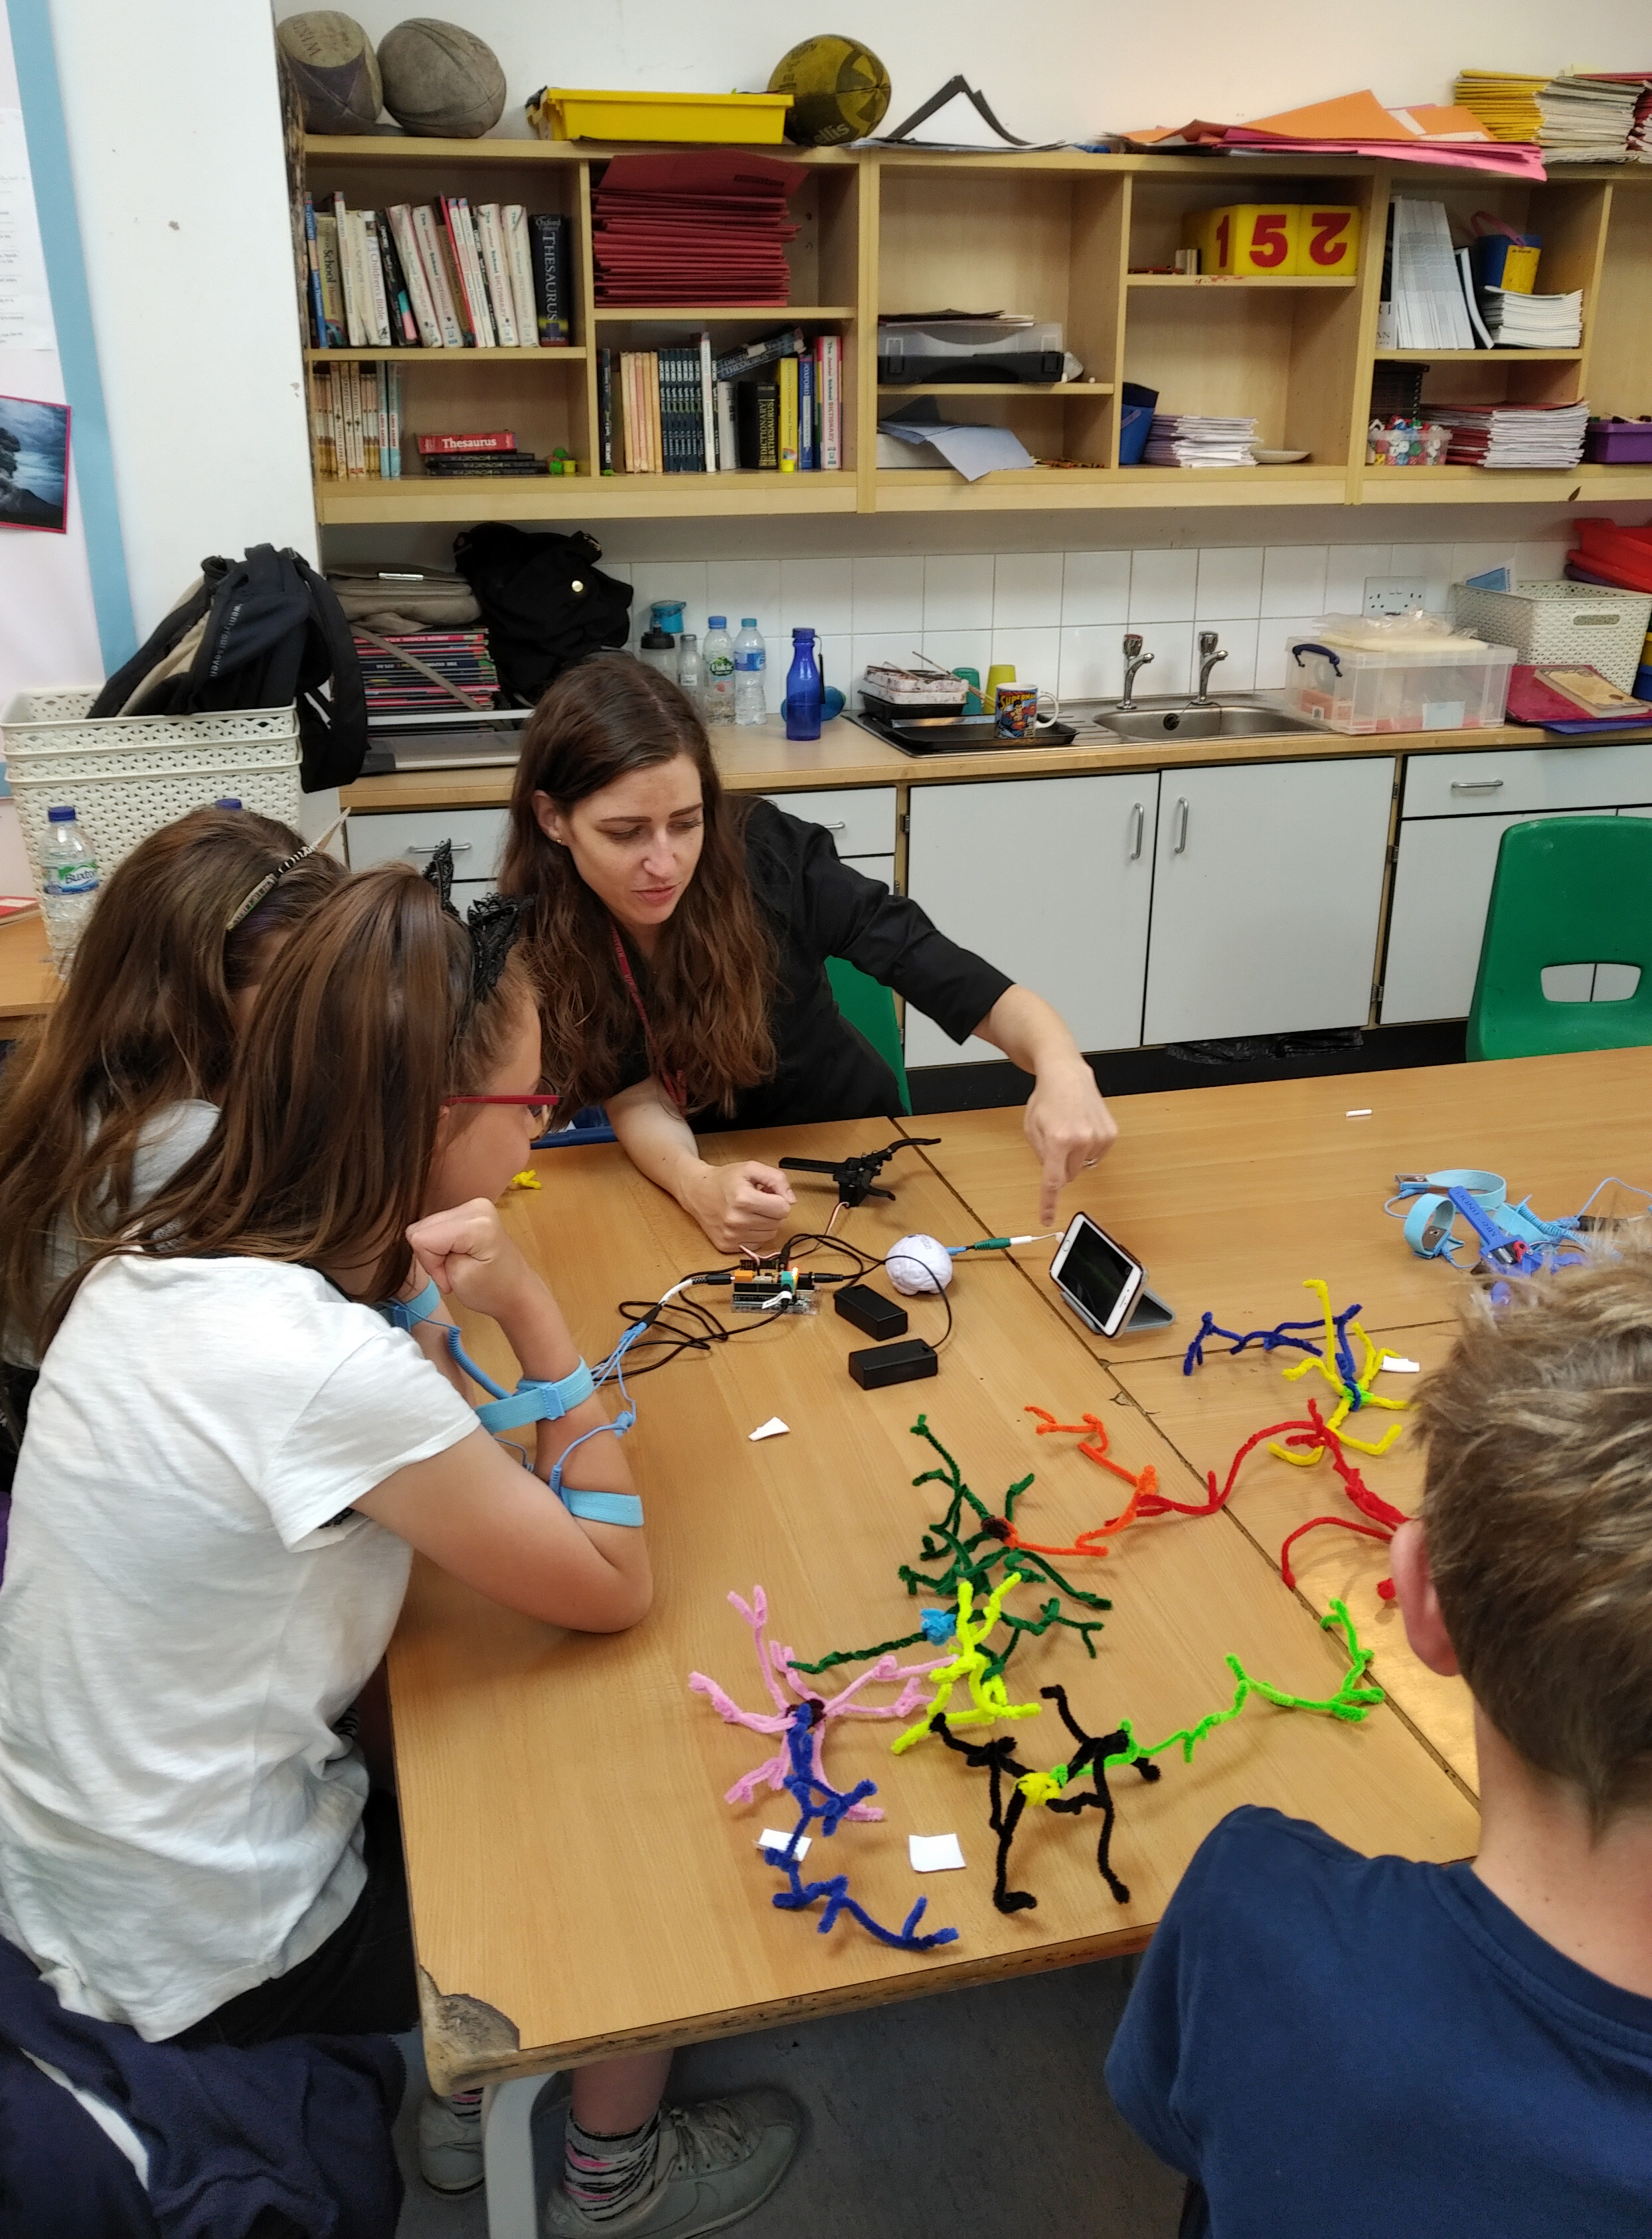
x=717 y=668
x=751 y=659
x=68 y=884
x=688 y=664
x=803 y=689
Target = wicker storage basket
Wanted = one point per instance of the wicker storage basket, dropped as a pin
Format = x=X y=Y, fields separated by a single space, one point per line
x=126 y=775
x=1561 y=622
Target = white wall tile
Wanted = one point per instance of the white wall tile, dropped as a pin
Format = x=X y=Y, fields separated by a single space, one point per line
x=1273 y=635
x=957 y=591
x=1035 y=654
x=1026 y=590
x=739 y=587
x=1238 y=640
x=1230 y=583
x=1095 y=588
x=833 y=656
x=1293 y=580
x=1542 y=563
x=1092 y=661
x=1162 y=586
x=889 y=594
x=960 y=649
x=817 y=594
x=1172 y=646
x=668 y=578
x=1347 y=567
x=896 y=645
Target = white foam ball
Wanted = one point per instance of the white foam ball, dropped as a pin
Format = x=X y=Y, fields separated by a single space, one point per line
x=919 y=1264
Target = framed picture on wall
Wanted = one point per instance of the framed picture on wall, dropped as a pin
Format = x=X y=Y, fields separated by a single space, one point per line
x=34 y=464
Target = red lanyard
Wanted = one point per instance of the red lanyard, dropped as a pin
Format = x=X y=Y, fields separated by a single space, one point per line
x=670 y=1082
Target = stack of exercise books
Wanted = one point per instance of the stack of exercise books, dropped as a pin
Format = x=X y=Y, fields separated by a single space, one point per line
x=1578 y=117
x=425 y=670
x=777 y=403
x=355 y=421
x=1513 y=435
x=704 y=226
x=438 y=275
x=1514 y=321
x=1200 y=439
x=1425 y=307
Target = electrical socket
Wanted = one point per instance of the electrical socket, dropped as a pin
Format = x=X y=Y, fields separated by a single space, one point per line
x=1394 y=595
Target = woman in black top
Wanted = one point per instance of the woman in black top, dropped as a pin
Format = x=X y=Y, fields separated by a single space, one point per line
x=680 y=943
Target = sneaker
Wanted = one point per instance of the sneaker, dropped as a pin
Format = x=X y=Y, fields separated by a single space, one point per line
x=449 y=2146
x=717 y=2161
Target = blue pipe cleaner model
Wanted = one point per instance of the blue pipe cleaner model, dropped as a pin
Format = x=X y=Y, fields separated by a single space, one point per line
x=1271 y=1339
x=815 y=1801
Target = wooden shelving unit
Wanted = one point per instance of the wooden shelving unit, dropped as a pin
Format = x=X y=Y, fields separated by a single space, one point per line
x=1054 y=235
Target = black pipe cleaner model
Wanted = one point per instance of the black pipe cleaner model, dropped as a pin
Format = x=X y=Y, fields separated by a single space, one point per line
x=493 y=923
x=1031 y=1786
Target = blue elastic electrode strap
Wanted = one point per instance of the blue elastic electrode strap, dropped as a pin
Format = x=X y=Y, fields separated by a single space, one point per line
x=606 y=1507
x=535 y=1400
x=403 y=1314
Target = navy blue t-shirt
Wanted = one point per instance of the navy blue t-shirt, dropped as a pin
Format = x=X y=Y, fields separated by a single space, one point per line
x=1327 y=2042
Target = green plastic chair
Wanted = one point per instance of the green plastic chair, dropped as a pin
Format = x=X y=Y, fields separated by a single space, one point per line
x=1568 y=890
x=870 y=1009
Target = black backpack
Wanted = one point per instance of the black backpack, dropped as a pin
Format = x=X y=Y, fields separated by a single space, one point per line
x=545 y=601
x=261 y=632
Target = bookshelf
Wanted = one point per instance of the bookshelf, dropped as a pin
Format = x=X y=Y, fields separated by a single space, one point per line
x=1055 y=236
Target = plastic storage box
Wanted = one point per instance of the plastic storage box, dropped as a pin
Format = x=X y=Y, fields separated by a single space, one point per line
x=560 y=112
x=964 y=350
x=1352 y=675
x=127 y=775
x=1563 y=622
x=1618 y=442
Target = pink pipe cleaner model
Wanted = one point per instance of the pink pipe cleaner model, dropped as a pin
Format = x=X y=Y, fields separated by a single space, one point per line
x=775 y=1665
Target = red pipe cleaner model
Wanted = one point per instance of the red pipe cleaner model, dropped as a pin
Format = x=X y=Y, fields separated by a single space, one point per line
x=1318 y=1435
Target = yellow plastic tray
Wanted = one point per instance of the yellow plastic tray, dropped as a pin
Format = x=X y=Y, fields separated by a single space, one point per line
x=558 y=112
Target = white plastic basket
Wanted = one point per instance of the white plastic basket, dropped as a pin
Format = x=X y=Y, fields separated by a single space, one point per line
x=126 y=775
x=1585 y=622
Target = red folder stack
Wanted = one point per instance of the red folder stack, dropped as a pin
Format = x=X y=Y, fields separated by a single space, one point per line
x=693 y=228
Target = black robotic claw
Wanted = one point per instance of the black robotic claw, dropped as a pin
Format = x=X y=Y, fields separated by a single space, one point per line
x=856 y=1176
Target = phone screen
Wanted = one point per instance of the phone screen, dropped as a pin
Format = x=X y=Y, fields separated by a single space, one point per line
x=1094 y=1271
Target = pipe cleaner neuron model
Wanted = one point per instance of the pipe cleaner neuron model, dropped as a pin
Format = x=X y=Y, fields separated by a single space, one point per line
x=1382 y=1520
x=817 y=1800
x=776 y=1665
x=1098 y=1754
x=989 y=1695
x=1334 y=1360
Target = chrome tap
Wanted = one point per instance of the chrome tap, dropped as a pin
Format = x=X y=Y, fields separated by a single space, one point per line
x=1210 y=654
x=1135 y=659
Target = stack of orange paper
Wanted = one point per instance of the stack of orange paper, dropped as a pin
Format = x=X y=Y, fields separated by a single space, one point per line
x=1358 y=125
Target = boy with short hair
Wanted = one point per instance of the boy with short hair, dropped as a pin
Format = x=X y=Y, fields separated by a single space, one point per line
x=1322 y=2042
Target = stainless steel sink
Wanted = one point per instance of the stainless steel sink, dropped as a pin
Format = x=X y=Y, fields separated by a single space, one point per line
x=1173 y=718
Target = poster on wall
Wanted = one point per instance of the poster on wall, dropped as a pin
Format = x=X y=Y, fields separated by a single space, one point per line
x=34 y=465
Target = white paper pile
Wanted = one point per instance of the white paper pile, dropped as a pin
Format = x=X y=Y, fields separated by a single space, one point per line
x=1428 y=309
x=1200 y=439
x=1513 y=435
x=1533 y=322
x=1586 y=120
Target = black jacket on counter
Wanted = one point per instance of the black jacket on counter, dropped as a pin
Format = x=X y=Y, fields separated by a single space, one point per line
x=818 y=907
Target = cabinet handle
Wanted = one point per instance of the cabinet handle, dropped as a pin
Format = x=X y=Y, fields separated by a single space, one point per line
x=1137 y=831
x=834 y=827
x=1478 y=785
x=429 y=846
x=1180 y=841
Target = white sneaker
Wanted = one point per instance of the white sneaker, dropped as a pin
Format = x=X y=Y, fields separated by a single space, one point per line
x=449 y=2146
x=715 y=2162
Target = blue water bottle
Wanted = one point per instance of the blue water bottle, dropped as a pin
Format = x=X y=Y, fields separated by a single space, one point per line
x=803 y=689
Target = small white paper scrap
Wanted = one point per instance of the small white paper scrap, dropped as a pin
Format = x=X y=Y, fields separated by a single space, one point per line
x=1404 y=1368
x=934 y=1854
x=771 y=1839
x=772 y=1429
x=1365 y=1113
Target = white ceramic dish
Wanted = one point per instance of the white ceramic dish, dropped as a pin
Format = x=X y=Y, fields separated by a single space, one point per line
x=1282 y=458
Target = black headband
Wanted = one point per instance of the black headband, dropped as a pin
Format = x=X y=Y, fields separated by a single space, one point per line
x=493 y=923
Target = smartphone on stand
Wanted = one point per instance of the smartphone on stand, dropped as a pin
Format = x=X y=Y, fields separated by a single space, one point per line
x=1098 y=1278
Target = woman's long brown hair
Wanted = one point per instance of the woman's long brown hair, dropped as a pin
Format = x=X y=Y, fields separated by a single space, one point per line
x=323 y=1153
x=708 y=988
x=146 y=1020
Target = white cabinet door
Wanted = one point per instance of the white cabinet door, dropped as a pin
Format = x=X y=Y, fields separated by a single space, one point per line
x=1437 y=918
x=1050 y=878
x=410 y=836
x=861 y=819
x=1267 y=893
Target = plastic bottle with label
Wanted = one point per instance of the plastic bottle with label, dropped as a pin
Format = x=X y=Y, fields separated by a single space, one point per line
x=751 y=660
x=717 y=669
x=688 y=673
x=68 y=884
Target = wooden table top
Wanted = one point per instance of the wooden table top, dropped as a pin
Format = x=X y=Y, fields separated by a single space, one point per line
x=28 y=984
x=1230 y=1197
x=580 y=1887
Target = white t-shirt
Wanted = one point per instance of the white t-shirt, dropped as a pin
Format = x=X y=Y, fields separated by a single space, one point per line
x=182 y=1618
x=167 y=1140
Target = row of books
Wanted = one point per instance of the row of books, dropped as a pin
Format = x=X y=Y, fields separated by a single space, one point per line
x=1588 y=117
x=355 y=421
x=1435 y=297
x=423 y=670
x=683 y=411
x=438 y=275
